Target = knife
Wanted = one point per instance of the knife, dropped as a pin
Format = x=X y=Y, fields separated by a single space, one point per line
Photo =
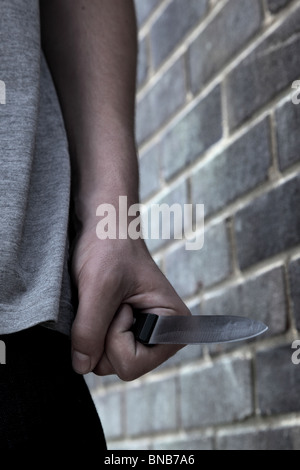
x=150 y=329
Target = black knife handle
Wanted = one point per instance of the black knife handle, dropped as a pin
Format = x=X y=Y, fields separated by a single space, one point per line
x=143 y=326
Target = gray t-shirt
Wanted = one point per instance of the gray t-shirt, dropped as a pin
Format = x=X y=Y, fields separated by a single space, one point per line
x=34 y=180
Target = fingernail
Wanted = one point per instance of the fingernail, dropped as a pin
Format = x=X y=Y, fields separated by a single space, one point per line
x=81 y=362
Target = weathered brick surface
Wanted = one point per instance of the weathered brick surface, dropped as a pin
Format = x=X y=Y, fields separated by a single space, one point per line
x=143 y=64
x=218 y=393
x=161 y=101
x=238 y=21
x=111 y=420
x=192 y=352
x=278 y=381
x=200 y=443
x=129 y=445
x=276 y=5
x=189 y=271
x=294 y=272
x=144 y=8
x=240 y=170
x=269 y=224
x=171 y=27
x=190 y=137
x=285 y=438
x=270 y=307
x=151 y=408
x=270 y=68
x=288 y=138
x=149 y=168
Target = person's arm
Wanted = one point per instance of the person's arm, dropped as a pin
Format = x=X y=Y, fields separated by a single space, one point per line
x=91 y=48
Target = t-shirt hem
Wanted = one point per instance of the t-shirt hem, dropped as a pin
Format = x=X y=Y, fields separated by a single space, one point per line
x=47 y=320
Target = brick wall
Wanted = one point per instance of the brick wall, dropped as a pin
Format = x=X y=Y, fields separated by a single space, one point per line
x=216 y=125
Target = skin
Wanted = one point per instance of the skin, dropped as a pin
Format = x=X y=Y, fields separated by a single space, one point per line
x=91 y=49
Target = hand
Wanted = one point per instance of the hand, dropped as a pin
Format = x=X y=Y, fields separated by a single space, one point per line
x=113 y=277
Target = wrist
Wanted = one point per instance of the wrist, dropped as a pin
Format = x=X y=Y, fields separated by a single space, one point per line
x=118 y=202
x=104 y=172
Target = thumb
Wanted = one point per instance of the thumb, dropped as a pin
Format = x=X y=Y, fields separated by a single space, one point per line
x=97 y=307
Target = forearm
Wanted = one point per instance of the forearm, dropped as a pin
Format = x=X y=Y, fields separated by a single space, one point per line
x=91 y=50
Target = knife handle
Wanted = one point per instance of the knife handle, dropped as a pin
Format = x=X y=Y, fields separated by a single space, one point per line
x=143 y=326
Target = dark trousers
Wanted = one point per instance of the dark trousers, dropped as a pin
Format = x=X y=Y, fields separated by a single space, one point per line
x=43 y=402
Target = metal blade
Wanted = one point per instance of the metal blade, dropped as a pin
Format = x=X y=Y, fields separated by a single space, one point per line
x=197 y=329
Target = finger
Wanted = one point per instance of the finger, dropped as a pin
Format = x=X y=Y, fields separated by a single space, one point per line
x=118 y=334
x=128 y=358
x=97 y=306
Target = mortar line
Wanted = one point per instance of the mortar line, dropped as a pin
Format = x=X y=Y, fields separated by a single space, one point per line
x=154 y=15
x=231 y=209
x=213 y=151
x=257 y=270
x=183 y=45
x=246 y=50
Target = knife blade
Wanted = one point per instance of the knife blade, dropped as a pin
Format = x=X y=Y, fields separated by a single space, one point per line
x=149 y=328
